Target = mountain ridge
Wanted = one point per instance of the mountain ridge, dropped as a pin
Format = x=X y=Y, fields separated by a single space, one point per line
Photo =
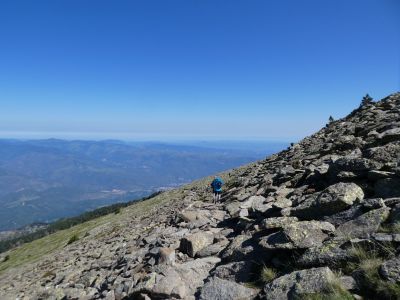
x=316 y=221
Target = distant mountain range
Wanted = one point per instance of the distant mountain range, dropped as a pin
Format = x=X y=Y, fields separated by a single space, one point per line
x=43 y=180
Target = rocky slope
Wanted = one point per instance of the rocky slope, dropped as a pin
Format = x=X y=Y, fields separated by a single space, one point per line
x=317 y=221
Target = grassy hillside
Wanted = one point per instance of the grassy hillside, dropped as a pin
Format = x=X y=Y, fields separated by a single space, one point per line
x=96 y=228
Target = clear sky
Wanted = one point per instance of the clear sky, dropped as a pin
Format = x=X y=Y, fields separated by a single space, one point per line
x=191 y=68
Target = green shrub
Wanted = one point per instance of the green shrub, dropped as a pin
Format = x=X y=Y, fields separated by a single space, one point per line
x=73 y=239
x=6 y=258
x=366 y=271
x=267 y=275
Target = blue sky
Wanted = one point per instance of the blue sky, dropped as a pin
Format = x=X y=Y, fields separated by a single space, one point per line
x=191 y=69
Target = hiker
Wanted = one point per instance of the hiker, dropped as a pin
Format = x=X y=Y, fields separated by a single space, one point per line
x=216 y=185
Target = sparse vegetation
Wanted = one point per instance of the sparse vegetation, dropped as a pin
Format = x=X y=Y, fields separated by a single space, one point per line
x=33 y=251
x=334 y=290
x=73 y=239
x=6 y=258
x=367 y=99
x=366 y=271
x=331 y=119
x=390 y=228
x=49 y=274
x=267 y=274
x=68 y=223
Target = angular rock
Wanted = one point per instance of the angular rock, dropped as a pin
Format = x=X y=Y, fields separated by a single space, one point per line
x=220 y=289
x=299 y=283
x=213 y=249
x=180 y=281
x=233 y=208
x=300 y=235
x=355 y=165
x=333 y=199
x=195 y=242
x=329 y=254
x=279 y=222
x=390 y=270
x=390 y=135
x=240 y=271
x=166 y=256
x=195 y=218
x=364 y=225
x=239 y=248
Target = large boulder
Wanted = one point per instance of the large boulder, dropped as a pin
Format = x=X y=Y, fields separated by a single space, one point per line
x=329 y=254
x=220 y=289
x=359 y=166
x=298 y=235
x=180 y=281
x=390 y=135
x=333 y=199
x=279 y=222
x=240 y=271
x=193 y=243
x=195 y=218
x=364 y=225
x=256 y=204
x=298 y=284
x=239 y=248
x=213 y=249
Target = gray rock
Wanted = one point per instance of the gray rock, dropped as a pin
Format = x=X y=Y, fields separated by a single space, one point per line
x=344 y=216
x=329 y=254
x=239 y=248
x=384 y=154
x=233 y=208
x=279 y=222
x=390 y=270
x=299 y=283
x=300 y=235
x=195 y=242
x=240 y=271
x=374 y=175
x=180 y=281
x=333 y=199
x=364 y=225
x=195 y=218
x=166 y=256
x=355 y=165
x=390 y=135
x=348 y=283
x=220 y=289
x=213 y=249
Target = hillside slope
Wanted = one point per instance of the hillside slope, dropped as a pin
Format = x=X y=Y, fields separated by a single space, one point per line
x=44 y=180
x=319 y=220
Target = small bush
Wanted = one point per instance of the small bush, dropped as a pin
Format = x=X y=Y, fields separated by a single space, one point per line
x=117 y=211
x=49 y=274
x=267 y=275
x=366 y=272
x=73 y=239
x=6 y=258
